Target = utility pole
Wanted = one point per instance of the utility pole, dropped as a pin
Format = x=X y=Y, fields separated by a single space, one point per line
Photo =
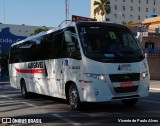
x=4 y=13
x=67 y=9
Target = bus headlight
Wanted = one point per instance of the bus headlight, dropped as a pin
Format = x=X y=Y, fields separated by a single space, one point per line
x=101 y=77
x=96 y=76
x=144 y=74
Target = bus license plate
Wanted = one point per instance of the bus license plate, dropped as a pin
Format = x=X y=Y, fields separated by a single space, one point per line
x=127 y=84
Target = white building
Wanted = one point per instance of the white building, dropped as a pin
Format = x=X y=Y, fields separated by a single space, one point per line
x=129 y=10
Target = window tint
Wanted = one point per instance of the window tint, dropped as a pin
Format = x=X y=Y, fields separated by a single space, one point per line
x=14 y=55
x=58 y=39
x=26 y=51
x=46 y=47
x=59 y=44
x=70 y=44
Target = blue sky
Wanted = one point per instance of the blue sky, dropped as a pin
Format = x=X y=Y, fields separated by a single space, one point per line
x=41 y=12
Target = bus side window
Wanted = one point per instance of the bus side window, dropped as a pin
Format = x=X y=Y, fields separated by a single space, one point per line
x=70 y=44
x=25 y=51
x=14 y=55
x=57 y=47
x=46 y=46
x=11 y=55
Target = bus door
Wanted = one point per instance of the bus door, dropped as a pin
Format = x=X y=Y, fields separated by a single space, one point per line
x=72 y=56
x=64 y=58
x=67 y=62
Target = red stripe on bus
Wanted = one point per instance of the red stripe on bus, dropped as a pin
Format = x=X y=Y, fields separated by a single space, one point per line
x=35 y=71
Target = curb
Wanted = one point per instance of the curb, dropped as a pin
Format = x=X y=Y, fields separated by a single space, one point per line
x=155 y=89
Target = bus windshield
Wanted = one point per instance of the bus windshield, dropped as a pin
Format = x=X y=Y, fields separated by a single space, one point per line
x=109 y=43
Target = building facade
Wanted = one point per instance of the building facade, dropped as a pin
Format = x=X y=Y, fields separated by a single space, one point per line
x=10 y=34
x=149 y=31
x=128 y=10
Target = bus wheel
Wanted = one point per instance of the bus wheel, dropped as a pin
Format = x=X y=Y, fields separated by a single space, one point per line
x=74 y=97
x=130 y=102
x=24 y=92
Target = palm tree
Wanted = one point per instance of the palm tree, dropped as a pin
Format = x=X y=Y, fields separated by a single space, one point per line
x=38 y=30
x=102 y=7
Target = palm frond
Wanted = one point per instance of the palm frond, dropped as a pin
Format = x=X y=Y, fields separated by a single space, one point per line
x=96 y=10
x=107 y=9
x=96 y=3
x=103 y=6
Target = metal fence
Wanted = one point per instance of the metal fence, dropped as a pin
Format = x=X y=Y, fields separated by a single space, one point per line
x=151 y=51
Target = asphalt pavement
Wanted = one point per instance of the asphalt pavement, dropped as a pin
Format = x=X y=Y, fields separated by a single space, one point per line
x=54 y=111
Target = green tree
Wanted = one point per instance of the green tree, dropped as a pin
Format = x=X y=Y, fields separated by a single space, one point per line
x=130 y=22
x=124 y=23
x=4 y=63
x=38 y=30
x=102 y=7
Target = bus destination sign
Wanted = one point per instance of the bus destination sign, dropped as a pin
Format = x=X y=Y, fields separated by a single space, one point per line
x=80 y=18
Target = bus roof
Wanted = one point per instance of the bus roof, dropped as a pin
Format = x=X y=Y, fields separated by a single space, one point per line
x=43 y=33
x=64 y=26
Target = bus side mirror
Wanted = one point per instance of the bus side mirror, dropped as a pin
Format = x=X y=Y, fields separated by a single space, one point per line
x=145 y=54
x=68 y=37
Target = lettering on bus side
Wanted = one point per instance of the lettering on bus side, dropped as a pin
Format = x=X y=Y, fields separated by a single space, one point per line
x=76 y=67
x=35 y=65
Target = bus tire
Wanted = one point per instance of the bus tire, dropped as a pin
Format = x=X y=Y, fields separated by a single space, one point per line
x=73 y=97
x=24 y=92
x=130 y=102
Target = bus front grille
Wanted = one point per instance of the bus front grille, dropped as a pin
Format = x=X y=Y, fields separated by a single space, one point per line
x=124 y=77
